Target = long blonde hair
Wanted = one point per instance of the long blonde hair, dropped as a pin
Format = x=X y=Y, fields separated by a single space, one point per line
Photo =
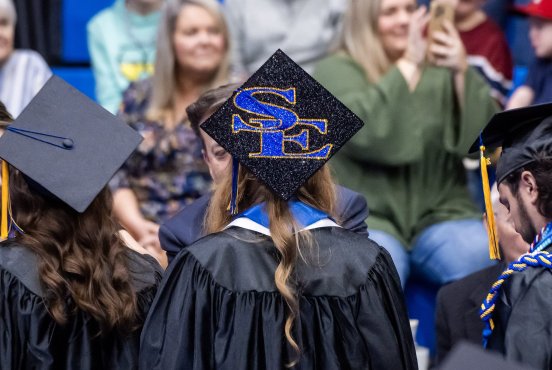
x=164 y=78
x=318 y=192
x=360 y=38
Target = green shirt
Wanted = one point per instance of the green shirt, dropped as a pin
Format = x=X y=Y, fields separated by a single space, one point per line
x=407 y=159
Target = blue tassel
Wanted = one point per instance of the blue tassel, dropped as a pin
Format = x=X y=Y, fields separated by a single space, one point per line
x=235 y=178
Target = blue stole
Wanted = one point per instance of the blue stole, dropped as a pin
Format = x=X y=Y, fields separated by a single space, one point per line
x=303 y=214
x=543 y=239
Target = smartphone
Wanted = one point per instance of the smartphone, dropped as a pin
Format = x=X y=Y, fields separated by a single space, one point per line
x=439 y=12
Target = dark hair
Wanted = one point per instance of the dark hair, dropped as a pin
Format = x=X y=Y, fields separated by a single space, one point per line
x=5 y=116
x=208 y=103
x=82 y=260
x=541 y=169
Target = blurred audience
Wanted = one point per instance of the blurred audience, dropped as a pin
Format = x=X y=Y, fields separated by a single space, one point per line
x=458 y=304
x=419 y=122
x=303 y=29
x=486 y=46
x=121 y=42
x=538 y=85
x=22 y=72
x=167 y=170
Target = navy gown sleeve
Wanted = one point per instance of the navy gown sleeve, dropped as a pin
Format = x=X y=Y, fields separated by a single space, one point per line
x=179 y=330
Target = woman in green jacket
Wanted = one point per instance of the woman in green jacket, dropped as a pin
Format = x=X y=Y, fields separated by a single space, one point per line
x=422 y=106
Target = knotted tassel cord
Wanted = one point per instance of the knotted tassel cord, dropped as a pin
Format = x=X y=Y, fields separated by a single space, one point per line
x=535 y=259
x=494 y=252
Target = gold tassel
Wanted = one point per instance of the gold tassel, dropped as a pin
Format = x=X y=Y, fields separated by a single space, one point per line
x=494 y=252
x=5 y=201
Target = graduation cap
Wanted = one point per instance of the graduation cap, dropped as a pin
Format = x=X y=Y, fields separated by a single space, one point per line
x=282 y=125
x=66 y=145
x=465 y=355
x=524 y=134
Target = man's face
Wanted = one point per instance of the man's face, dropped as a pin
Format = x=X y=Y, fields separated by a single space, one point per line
x=517 y=208
x=218 y=160
x=511 y=242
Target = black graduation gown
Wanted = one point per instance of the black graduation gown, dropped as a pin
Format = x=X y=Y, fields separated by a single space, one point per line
x=523 y=318
x=31 y=339
x=218 y=307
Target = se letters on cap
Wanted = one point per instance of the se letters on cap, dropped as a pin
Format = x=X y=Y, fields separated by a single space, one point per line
x=282 y=125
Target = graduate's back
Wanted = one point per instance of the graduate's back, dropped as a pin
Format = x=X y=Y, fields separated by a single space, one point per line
x=219 y=307
x=32 y=339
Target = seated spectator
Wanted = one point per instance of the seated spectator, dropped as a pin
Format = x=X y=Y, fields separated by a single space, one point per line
x=167 y=170
x=22 y=72
x=74 y=289
x=538 y=85
x=486 y=47
x=303 y=29
x=121 y=42
x=458 y=304
x=187 y=226
x=419 y=122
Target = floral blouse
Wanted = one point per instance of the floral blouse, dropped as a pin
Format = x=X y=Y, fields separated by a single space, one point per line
x=167 y=170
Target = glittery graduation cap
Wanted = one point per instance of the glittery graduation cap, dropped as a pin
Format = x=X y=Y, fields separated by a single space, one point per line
x=524 y=134
x=282 y=125
x=66 y=145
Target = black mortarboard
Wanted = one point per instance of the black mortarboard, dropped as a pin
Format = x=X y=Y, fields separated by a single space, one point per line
x=523 y=133
x=67 y=144
x=465 y=355
x=282 y=125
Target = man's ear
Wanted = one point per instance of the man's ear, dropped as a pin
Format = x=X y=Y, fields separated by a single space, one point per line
x=528 y=184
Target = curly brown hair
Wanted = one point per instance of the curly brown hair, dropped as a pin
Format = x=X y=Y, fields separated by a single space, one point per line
x=82 y=260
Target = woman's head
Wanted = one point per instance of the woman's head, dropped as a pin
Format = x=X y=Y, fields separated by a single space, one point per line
x=82 y=261
x=375 y=33
x=7 y=29
x=192 y=45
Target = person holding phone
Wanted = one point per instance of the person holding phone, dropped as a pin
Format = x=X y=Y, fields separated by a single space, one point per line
x=421 y=104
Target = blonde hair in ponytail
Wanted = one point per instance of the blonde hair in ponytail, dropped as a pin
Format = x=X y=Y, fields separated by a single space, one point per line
x=318 y=192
